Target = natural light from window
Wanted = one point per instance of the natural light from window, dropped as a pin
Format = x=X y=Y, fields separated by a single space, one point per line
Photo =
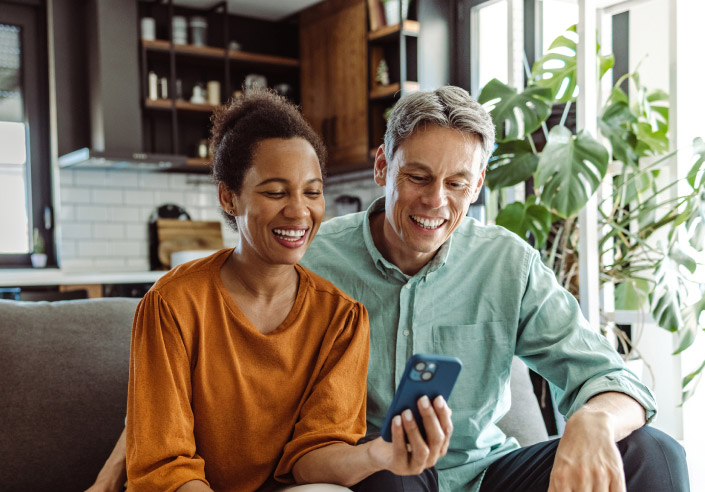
x=492 y=49
x=14 y=223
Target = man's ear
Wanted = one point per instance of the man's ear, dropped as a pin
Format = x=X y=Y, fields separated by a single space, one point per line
x=227 y=199
x=478 y=186
x=380 y=167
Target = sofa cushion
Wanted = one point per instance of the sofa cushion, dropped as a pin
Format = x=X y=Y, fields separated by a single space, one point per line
x=524 y=420
x=64 y=368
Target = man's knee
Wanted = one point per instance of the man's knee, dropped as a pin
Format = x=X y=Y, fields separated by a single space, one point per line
x=386 y=481
x=655 y=458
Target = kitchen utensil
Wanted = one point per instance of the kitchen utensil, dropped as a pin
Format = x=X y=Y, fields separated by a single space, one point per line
x=179 y=257
x=175 y=235
x=178 y=29
x=199 y=30
x=198 y=96
x=164 y=88
x=148 y=29
x=165 y=211
x=255 y=80
x=213 y=89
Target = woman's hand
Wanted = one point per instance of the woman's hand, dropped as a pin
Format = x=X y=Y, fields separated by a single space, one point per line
x=413 y=458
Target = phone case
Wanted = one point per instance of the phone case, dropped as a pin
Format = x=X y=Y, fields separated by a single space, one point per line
x=425 y=374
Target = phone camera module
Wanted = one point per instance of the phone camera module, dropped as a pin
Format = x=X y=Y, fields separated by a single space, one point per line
x=426 y=376
x=420 y=366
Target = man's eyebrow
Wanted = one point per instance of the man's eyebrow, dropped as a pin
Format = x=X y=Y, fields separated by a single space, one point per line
x=424 y=167
x=286 y=181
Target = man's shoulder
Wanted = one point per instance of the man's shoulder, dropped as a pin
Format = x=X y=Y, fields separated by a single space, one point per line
x=339 y=233
x=473 y=233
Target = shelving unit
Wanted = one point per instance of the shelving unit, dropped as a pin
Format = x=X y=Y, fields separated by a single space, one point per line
x=397 y=45
x=175 y=125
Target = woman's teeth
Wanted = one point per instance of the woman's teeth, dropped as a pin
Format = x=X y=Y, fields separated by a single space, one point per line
x=290 y=234
x=427 y=223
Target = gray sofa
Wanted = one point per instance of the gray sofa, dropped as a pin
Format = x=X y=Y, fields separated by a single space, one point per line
x=64 y=368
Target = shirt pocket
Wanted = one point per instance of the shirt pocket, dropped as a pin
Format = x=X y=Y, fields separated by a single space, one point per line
x=486 y=354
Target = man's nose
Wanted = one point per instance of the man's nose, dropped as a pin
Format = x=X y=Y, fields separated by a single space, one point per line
x=435 y=195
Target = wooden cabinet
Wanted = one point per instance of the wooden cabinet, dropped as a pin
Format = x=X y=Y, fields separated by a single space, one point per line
x=333 y=55
x=176 y=124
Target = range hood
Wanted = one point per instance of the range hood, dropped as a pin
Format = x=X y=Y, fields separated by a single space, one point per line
x=114 y=94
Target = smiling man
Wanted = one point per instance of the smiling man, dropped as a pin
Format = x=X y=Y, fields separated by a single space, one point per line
x=434 y=281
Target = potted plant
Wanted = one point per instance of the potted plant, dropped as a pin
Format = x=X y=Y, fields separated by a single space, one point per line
x=653 y=227
x=38 y=256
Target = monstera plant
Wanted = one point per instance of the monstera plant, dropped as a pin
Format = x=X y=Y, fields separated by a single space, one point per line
x=653 y=227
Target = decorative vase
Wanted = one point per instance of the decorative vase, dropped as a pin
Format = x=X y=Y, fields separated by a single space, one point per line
x=39 y=260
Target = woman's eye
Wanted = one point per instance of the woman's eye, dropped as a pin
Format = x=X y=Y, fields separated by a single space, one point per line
x=274 y=194
x=314 y=193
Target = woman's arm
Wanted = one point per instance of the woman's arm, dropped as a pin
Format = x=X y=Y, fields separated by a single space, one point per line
x=347 y=465
x=112 y=476
x=194 y=486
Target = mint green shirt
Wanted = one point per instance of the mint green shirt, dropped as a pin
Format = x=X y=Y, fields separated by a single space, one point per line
x=485 y=297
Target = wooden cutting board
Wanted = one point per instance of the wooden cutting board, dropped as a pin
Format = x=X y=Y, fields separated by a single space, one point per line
x=182 y=235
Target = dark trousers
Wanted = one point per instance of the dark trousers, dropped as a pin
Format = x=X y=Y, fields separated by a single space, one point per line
x=653 y=462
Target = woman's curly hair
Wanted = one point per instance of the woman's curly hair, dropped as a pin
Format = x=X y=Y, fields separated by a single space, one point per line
x=239 y=127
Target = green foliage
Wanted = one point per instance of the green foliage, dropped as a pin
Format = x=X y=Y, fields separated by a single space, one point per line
x=38 y=242
x=571 y=167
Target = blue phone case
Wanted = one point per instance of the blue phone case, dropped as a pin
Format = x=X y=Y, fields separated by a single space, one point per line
x=425 y=374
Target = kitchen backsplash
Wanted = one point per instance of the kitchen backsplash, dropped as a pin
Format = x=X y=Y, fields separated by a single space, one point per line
x=104 y=214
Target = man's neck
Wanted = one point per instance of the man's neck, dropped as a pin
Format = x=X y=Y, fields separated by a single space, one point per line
x=392 y=248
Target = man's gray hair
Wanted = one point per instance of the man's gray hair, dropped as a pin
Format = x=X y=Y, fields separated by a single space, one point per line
x=448 y=107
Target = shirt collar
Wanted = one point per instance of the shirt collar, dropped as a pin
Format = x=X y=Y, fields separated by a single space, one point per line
x=387 y=267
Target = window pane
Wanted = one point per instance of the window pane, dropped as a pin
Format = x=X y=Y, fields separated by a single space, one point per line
x=556 y=17
x=14 y=222
x=492 y=49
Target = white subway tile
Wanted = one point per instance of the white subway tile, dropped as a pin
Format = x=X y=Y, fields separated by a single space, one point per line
x=68 y=248
x=127 y=248
x=107 y=196
x=73 y=194
x=138 y=264
x=66 y=177
x=76 y=231
x=178 y=181
x=66 y=213
x=95 y=248
x=124 y=179
x=124 y=214
x=146 y=213
x=92 y=213
x=136 y=232
x=110 y=264
x=90 y=177
x=157 y=181
x=77 y=264
x=108 y=231
x=140 y=197
x=176 y=197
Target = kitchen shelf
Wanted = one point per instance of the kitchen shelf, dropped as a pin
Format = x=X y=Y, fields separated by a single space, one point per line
x=388 y=33
x=388 y=91
x=189 y=106
x=213 y=52
x=158 y=103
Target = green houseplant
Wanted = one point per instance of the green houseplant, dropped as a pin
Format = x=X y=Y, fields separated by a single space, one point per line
x=38 y=256
x=653 y=228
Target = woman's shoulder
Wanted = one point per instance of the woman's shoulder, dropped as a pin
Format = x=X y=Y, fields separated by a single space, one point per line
x=323 y=287
x=186 y=275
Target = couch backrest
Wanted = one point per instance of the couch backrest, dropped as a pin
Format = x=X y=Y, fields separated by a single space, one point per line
x=64 y=368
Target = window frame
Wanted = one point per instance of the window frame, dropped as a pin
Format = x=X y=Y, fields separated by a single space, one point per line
x=31 y=17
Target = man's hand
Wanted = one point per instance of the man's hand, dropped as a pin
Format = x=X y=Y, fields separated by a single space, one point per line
x=587 y=458
x=419 y=454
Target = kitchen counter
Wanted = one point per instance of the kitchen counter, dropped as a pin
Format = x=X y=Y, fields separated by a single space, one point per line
x=23 y=277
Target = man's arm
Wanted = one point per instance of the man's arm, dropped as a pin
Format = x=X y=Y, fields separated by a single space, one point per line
x=587 y=457
x=347 y=465
x=112 y=476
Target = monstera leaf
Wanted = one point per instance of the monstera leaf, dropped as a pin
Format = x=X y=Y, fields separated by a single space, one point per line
x=526 y=220
x=631 y=294
x=691 y=314
x=511 y=163
x=570 y=169
x=515 y=114
x=615 y=124
x=696 y=175
x=691 y=381
x=558 y=71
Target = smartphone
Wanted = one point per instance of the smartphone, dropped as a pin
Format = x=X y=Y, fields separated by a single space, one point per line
x=425 y=374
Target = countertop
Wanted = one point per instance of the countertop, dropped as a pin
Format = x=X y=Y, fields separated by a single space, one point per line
x=22 y=277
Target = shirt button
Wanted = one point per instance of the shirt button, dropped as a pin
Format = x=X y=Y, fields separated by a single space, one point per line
x=408 y=286
x=406 y=333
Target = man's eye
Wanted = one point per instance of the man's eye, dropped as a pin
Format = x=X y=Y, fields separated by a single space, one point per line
x=457 y=185
x=416 y=178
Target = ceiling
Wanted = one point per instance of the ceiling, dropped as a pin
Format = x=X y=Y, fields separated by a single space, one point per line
x=273 y=10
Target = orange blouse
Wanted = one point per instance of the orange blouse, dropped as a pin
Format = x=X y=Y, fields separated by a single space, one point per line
x=212 y=398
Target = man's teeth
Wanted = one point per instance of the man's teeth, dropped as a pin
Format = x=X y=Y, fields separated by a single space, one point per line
x=290 y=234
x=428 y=223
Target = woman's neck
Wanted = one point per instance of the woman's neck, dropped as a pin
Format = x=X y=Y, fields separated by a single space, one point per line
x=259 y=280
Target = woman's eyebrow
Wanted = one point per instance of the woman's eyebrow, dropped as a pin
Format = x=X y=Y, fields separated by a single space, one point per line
x=286 y=181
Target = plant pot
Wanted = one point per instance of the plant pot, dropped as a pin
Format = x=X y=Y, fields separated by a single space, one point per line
x=39 y=260
x=391 y=11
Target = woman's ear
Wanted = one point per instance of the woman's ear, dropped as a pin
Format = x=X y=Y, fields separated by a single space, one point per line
x=226 y=196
